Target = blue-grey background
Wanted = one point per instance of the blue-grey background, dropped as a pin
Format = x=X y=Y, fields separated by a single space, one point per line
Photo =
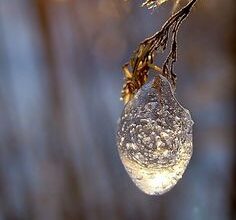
x=60 y=81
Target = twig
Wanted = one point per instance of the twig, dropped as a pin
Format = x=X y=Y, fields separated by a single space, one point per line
x=142 y=59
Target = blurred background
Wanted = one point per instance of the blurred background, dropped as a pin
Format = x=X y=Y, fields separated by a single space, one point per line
x=60 y=81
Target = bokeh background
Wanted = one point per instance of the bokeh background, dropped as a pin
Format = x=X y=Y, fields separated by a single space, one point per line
x=60 y=81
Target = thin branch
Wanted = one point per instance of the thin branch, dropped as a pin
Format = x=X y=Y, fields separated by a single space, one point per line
x=142 y=59
x=160 y=39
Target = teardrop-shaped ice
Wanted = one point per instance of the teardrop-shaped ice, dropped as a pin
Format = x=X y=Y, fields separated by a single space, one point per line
x=154 y=137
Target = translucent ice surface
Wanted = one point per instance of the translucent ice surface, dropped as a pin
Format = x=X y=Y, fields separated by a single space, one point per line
x=154 y=137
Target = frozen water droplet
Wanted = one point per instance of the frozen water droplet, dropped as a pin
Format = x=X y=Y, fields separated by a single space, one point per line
x=154 y=138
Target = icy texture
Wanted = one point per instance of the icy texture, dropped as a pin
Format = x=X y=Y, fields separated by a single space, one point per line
x=154 y=138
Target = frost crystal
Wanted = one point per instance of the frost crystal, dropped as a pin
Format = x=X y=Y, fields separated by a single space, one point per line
x=153 y=3
x=154 y=137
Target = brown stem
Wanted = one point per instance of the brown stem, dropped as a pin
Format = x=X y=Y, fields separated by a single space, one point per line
x=160 y=39
x=143 y=58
